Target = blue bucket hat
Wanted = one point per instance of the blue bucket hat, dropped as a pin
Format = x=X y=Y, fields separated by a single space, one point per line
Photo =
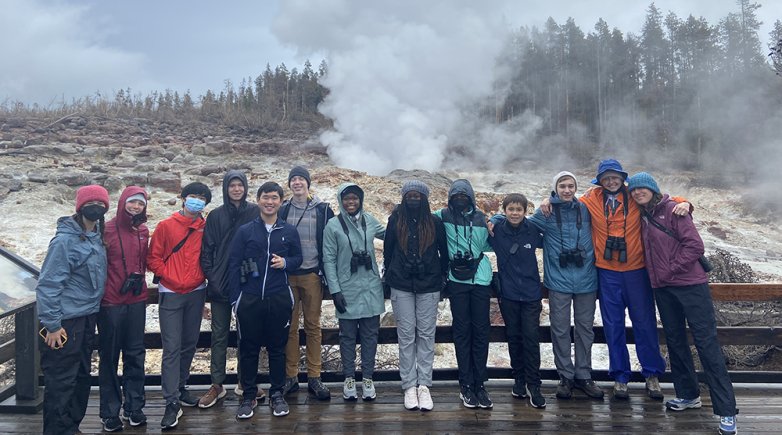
x=608 y=165
x=642 y=179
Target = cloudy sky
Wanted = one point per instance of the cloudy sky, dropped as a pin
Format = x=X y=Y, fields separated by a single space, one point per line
x=55 y=50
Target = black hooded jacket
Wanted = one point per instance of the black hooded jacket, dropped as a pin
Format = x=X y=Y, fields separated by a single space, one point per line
x=221 y=225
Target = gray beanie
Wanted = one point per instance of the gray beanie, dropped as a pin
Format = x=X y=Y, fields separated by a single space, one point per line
x=562 y=174
x=415 y=186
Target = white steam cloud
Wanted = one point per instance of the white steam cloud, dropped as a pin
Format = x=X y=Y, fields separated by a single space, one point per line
x=403 y=77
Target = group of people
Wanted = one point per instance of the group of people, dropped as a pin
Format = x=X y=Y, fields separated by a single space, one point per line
x=268 y=262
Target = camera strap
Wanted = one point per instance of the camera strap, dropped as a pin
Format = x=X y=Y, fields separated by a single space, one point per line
x=122 y=251
x=347 y=233
x=613 y=211
x=558 y=212
x=658 y=225
x=179 y=245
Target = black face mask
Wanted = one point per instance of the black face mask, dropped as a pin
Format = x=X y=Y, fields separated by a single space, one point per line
x=93 y=212
x=413 y=204
x=136 y=220
x=461 y=204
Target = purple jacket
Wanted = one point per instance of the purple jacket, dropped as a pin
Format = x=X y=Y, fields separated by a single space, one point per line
x=671 y=262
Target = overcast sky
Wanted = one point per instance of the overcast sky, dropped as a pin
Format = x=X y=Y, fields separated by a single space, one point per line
x=52 y=50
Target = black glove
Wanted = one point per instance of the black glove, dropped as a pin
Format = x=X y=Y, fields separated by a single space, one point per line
x=339 y=302
x=444 y=293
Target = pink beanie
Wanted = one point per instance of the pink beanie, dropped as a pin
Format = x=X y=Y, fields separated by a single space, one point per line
x=93 y=192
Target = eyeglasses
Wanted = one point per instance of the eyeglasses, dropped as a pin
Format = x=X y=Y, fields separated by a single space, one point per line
x=42 y=333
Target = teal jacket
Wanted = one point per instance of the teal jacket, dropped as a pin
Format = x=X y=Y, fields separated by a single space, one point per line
x=467 y=232
x=73 y=275
x=363 y=290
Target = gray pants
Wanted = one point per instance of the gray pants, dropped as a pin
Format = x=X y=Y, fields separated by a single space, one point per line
x=180 y=325
x=583 y=319
x=416 y=318
x=366 y=330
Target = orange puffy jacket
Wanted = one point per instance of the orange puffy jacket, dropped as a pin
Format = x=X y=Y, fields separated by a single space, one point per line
x=182 y=272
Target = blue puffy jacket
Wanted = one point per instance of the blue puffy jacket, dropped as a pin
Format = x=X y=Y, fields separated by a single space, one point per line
x=516 y=260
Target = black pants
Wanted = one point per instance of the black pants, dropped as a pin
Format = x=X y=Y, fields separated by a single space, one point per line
x=121 y=328
x=66 y=377
x=692 y=305
x=470 y=327
x=263 y=322
x=522 y=324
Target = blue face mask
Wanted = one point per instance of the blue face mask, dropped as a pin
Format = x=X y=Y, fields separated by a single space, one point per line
x=194 y=205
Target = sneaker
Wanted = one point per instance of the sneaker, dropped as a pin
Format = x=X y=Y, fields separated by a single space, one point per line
x=678 y=404
x=291 y=385
x=425 y=402
x=589 y=388
x=316 y=387
x=215 y=393
x=484 y=401
x=171 y=415
x=260 y=395
x=519 y=390
x=620 y=391
x=135 y=418
x=411 y=399
x=653 y=388
x=565 y=388
x=278 y=405
x=469 y=399
x=728 y=425
x=112 y=424
x=246 y=408
x=187 y=399
x=349 y=389
x=368 y=390
x=535 y=398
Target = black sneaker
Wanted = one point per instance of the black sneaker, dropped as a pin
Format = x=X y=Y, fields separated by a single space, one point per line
x=589 y=388
x=171 y=416
x=316 y=387
x=291 y=385
x=112 y=424
x=565 y=388
x=135 y=418
x=535 y=398
x=278 y=405
x=469 y=399
x=483 y=398
x=519 y=390
x=246 y=408
x=187 y=399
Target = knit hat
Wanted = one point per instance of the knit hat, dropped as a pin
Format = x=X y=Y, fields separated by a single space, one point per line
x=197 y=188
x=415 y=186
x=93 y=192
x=562 y=175
x=137 y=197
x=608 y=165
x=299 y=171
x=642 y=179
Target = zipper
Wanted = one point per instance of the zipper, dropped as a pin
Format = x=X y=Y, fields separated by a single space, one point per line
x=266 y=267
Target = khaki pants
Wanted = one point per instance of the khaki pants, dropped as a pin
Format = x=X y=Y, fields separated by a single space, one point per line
x=307 y=297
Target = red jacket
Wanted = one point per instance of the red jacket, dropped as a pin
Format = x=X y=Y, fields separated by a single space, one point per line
x=182 y=272
x=134 y=245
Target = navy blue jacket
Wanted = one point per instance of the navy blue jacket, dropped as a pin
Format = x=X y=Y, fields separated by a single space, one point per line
x=253 y=243
x=519 y=274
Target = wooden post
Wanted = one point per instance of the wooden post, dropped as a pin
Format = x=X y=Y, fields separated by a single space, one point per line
x=28 y=362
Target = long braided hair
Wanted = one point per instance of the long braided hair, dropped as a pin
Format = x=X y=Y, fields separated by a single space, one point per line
x=425 y=226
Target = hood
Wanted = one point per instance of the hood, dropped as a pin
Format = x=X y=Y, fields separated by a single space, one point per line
x=230 y=175
x=314 y=200
x=461 y=186
x=123 y=218
x=68 y=225
x=345 y=186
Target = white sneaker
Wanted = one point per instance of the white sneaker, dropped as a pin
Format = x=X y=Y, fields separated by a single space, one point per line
x=411 y=399
x=349 y=389
x=424 y=398
x=368 y=390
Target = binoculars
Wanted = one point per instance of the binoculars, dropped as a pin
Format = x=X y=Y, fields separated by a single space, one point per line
x=360 y=258
x=249 y=267
x=571 y=256
x=133 y=283
x=617 y=244
x=462 y=258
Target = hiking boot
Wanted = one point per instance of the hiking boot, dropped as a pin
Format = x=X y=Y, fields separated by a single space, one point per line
x=349 y=389
x=112 y=424
x=368 y=390
x=469 y=399
x=316 y=387
x=425 y=402
x=291 y=385
x=215 y=393
x=519 y=390
x=620 y=391
x=728 y=425
x=589 y=388
x=411 y=399
x=135 y=418
x=484 y=401
x=565 y=388
x=535 y=398
x=278 y=405
x=678 y=404
x=171 y=415
x=653 y=388
x=246 y=408
x=187 y=399
x=260 y=395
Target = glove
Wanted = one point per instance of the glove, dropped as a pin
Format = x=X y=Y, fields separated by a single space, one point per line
x=340 y=303
x=444 y=293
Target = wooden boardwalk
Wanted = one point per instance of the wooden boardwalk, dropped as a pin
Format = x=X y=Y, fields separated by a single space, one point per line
x=760 y=412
